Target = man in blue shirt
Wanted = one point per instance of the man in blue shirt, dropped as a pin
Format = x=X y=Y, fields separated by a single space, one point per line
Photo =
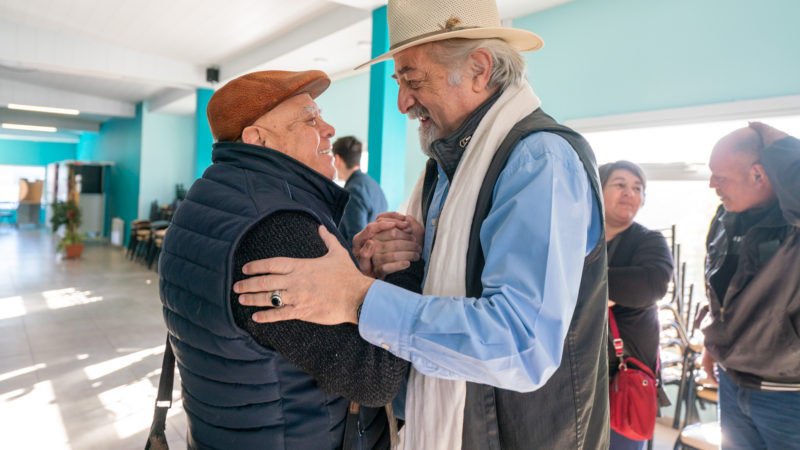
x=507 y=338
x=366 y=197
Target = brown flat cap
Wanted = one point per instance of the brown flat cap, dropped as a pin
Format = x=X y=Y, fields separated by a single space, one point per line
x=243 y=100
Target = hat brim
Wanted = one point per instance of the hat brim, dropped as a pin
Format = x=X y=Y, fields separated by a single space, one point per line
x=314 y=88
x=522 y=40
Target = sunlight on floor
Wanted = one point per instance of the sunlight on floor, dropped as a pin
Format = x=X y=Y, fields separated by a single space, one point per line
x=64 y=298
x=129 y=419
x=99 y=370
x=19 y=372
x=35 y=416
x=11 y=307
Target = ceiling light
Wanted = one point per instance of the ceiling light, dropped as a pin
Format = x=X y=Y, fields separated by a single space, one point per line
x=16 y=126
x=44 y=109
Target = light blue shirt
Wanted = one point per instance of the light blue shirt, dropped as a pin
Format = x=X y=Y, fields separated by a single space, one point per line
x=544 y=220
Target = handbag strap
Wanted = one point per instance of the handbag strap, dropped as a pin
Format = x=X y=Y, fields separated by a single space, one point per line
x=164 y=397
x=617 y=341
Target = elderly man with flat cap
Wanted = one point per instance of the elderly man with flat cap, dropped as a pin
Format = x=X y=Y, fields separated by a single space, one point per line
x=249 y=385
x=508 y=339
x=753 y=286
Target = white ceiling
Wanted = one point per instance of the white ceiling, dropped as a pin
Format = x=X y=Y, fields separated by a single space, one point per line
x=105 y=56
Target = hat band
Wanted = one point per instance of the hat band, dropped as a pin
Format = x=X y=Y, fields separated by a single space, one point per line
x=427 y=35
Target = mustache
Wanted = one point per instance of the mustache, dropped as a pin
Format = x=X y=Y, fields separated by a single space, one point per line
x=415 y=112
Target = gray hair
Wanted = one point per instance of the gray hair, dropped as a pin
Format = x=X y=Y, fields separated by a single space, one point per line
x=508 y=66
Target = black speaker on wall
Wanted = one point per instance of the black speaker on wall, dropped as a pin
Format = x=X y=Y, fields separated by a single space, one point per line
x=212 y=74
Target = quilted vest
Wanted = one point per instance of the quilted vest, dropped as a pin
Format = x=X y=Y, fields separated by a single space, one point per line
x=236 y=393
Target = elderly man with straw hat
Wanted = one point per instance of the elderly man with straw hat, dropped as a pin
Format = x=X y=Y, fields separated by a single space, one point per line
x=508 y=337
x=278 y=386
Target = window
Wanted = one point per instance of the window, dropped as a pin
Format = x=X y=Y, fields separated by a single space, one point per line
x=675 y=160
x=9 y=182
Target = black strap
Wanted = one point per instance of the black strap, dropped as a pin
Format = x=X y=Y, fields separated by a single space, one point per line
x=157 y=439
x=535 y=122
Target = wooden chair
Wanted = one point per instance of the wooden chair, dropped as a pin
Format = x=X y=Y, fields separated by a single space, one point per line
x=700 y=436
x=158 y=241
x=136 y=226
x=148 y=246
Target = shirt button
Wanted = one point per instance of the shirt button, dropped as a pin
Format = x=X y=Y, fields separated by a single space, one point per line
x=385 y=346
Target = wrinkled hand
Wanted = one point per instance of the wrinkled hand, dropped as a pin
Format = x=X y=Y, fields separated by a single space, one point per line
x=388 y=244
x=708 y=366
x=325 y=290
x=768 y=134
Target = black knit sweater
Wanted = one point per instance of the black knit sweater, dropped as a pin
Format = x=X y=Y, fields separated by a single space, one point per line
x=639 y=270
x=336 y=356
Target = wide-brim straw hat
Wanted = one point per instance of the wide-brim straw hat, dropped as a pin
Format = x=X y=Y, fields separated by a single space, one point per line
x=416 y=22
x=241 y=101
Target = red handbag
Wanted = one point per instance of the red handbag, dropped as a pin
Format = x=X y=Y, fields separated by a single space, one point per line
x=632 y=394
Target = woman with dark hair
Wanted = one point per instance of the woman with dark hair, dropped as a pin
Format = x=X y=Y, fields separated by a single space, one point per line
x=639 y=270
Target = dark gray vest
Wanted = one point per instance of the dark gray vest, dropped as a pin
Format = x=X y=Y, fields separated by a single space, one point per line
x=571 y=410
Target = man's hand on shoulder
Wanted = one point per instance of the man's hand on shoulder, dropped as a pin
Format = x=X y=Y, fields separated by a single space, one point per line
x=327 y=290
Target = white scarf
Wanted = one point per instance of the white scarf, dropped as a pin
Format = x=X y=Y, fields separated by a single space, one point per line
x=435 y=406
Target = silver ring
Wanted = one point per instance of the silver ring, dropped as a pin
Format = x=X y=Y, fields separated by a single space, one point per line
x=275 y=299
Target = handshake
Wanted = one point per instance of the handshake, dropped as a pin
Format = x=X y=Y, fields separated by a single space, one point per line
x=388 y=245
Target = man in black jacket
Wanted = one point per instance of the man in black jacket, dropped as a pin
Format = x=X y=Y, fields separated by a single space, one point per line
x=753 y=256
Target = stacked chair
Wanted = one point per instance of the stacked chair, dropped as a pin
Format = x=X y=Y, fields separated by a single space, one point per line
x=147 y=236
x=681 y=350
x=140 y=232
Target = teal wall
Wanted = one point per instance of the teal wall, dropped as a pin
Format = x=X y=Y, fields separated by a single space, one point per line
x=167 y=157
x=120 y=142
x=203 y=140
x=345 y=105
x=415 y=159
x=606 y=57
x=387 y=126
x=25 y=153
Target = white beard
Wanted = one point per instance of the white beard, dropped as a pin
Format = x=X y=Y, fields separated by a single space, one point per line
x=426 y=136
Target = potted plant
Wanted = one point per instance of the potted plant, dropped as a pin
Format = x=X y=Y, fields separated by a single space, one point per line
x=68 y=214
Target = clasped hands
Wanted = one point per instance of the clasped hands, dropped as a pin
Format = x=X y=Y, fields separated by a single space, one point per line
x=329 y=290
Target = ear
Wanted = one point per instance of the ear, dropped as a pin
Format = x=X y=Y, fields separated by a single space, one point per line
x=252 y=136
x=759 y=176
x=480 y=65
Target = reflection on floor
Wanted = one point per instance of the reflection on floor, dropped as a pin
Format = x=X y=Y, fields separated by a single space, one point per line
x=81 y=344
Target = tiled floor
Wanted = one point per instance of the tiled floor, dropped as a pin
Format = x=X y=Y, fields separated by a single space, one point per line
x=81 y=344
x=80 y=348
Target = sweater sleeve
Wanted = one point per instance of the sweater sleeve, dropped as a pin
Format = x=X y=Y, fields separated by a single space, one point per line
x=336 y=356
x=645 y=280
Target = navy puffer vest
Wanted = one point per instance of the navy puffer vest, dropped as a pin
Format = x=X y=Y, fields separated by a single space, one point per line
x=236 y=393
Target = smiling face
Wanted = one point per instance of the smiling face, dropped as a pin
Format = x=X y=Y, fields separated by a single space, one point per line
x=296 y=129
x=425 y=93
x=737 y=175
x=623 y=194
